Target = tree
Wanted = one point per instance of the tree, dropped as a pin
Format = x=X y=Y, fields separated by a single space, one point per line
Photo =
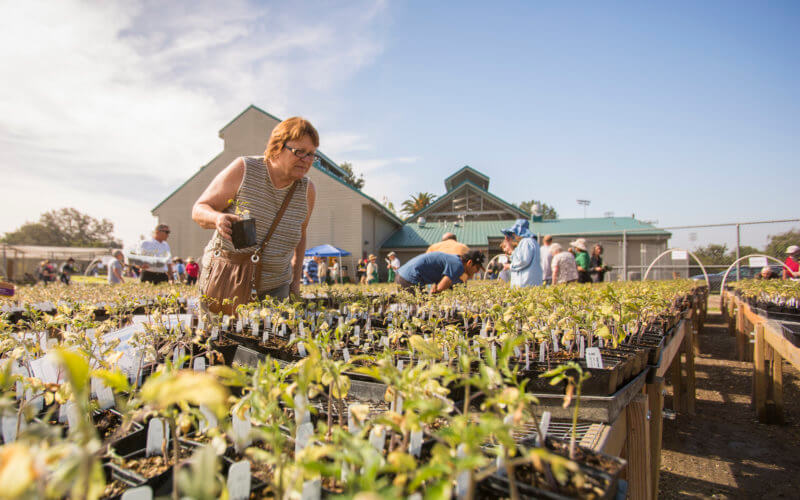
x=417 y=202
x=714 y=254
x=389 y=205
x=350 y=177
x=548 y=212
x=778 y=243
x=66 y=227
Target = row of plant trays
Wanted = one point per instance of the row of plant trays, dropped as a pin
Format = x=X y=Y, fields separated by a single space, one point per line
x=620 y=365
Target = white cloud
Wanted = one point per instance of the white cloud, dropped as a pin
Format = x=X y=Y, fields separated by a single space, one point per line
x=126 y=98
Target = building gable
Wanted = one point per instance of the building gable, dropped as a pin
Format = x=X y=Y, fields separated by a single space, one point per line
x=469 y=201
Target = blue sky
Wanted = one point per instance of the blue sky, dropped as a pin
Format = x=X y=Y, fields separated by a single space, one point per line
x=683 y=112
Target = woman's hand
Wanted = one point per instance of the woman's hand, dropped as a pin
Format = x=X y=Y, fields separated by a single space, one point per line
x=224 y=223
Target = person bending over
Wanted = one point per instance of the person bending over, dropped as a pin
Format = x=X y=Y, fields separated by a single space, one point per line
x=439 y=269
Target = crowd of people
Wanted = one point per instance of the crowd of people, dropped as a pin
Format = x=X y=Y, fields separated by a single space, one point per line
x=524 y=262
x=281 y=199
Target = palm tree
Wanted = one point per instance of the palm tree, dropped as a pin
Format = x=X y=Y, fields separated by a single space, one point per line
x=417 y=202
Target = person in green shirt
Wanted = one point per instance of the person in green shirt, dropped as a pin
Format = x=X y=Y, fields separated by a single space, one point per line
x=582 y=260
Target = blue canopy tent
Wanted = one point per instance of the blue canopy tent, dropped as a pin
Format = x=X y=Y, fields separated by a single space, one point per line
x=328 y=251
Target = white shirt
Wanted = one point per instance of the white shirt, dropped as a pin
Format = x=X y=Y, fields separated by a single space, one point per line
x=158 y=249
x=395 y=263
x=544 y=260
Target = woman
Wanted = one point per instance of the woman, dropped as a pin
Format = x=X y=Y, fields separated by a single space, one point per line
x=263 y=182
x=563 y=265
x=335 y=271
x=192 y=271
x=582 y=260
x=392 y=265
x=361 y=272
x=372 y=270
x=524 y=266
x=598 y=271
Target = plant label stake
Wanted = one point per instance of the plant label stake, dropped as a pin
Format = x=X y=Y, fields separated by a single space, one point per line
x=581 y=347
x=239 y=326
x=302 y=329
x=209 y=420
x=554 y=336
x=544 y=424
x=265 y=336
x=494 y=352
x=484 y=329
x=215 y=333
x=241 y=431
x=357 y=339
x=301 y=349
x=301 y=413
x=517 y=352
x=177 y=354
x=445 y=353
x=199 y=364
x=462 y=482
x=140 y=493
x=304 y=433
x=527 y=356
x=377 y=438
x=415 y=443
x=353 y=425
x=226 y=322
x=283 y=329
x=346 y=355
x=593 y=358
x=312 y=490
x=10 y=428
x=239 y=480
x=542 y=349
x=157 y=435
x=73 y=417
x=500 y=461
x=254 y=327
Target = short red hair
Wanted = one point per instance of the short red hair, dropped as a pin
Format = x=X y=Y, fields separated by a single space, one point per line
x=290 y=129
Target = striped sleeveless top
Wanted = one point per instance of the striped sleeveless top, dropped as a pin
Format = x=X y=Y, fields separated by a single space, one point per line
x=263 y=200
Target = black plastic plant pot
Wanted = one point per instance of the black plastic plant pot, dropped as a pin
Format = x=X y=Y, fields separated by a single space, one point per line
x=124 y=480
x=243 y=233
x=600 y=471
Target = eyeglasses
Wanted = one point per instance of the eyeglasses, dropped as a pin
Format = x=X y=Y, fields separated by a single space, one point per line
x=302 y=154
x=164 y=230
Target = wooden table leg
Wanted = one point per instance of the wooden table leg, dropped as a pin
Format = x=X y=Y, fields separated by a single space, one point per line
x=638 y=447
x=777 y=388
x=676 y=377
x=690 y=375
x=740 y=345
x=655 y=403
x=760 y=375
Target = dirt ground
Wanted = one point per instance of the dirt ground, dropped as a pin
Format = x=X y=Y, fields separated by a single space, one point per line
x=723 y=452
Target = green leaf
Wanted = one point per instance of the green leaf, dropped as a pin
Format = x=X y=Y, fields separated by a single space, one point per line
x=77 y=368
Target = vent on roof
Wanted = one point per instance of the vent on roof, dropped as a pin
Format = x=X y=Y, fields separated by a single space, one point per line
x=421 y=221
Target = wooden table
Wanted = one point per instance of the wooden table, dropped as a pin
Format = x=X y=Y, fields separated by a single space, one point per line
x=769 y=348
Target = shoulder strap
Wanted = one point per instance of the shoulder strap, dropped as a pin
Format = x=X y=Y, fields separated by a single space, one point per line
x=278 y=217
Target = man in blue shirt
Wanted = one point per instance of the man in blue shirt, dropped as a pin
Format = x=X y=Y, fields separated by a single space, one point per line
x=525 y=267
x=442 y=270
x=309 y=271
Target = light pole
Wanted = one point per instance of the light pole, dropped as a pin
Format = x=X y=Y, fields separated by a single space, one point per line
x=585 y=204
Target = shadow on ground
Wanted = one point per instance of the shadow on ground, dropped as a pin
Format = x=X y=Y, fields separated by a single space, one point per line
x=723 y=452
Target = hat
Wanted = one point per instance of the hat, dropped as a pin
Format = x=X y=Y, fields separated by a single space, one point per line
x=520 y=228
x=371 y=256
x=189 y=259
x=793 y=249
x=580 y=244
x=390 y=254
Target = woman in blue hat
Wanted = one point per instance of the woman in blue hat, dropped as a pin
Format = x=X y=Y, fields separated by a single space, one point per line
x=525 y=267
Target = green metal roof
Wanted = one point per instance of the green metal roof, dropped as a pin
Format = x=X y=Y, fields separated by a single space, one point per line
x=477 y=233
